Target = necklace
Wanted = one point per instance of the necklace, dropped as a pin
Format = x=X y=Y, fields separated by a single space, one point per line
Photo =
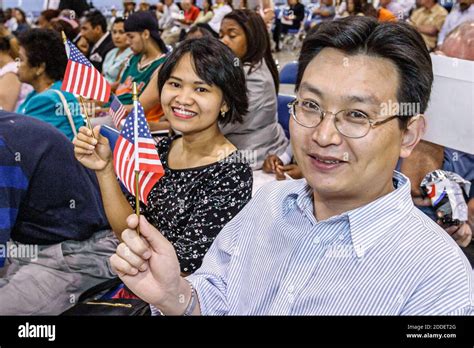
x=142 y=66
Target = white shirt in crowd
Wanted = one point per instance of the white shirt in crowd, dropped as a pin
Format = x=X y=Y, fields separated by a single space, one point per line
x=166 y=20
x=455 y=18
x=219 y=14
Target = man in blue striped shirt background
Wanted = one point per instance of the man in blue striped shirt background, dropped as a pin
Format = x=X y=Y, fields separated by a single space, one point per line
x=346 y=239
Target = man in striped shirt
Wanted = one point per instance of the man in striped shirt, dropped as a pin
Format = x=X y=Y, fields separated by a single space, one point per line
x=345 y=240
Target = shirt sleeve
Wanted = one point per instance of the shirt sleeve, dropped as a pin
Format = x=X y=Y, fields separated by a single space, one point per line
x=445 y=287
x=445 y=29
x=13 y=185
x=210 y=281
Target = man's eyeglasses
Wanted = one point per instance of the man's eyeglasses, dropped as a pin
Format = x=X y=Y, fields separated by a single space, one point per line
x=350 y=123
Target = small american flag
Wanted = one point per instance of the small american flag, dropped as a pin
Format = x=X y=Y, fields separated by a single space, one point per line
x=149 y=164
x=82 y=78
x=117 y=111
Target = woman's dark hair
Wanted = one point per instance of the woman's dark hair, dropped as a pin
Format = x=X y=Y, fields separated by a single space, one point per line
x=210 y=5
x=45 y=46
x=215 y=64
x=396 y=41
x=50 y=14
x=258 y=41
x=358 y=4
x=23 y=14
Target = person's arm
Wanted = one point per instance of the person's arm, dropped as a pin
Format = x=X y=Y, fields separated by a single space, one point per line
x=10 y=87
x=151 y=96
x=435 y=27
x=96 y=155
x=159 y=125
x=148 y=266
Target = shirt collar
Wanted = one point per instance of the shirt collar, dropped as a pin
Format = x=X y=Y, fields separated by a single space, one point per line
x=375 y=219
x=98 y=43
x=300 y=197
x=367 y=223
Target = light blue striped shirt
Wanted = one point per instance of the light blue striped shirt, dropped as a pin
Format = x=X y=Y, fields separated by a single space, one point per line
x=384 y=258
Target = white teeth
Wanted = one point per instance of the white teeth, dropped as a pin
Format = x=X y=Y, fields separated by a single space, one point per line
x=187 y=113
x=329 y=162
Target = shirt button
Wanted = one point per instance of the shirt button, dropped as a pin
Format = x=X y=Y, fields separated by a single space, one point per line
x=291 y=289
x=341 y=237
x=316 y=240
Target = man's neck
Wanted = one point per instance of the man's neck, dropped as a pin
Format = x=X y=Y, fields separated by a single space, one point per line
x=98 y=41
x=327 y=207
x=152 y=52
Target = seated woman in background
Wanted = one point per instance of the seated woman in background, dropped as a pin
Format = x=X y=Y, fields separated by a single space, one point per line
x=244 y=32
x=43 y=62
x=206 y=13
x=22 y=24
x=116 y=59
x=206 y=181
x=12 y=91
x=149 y=52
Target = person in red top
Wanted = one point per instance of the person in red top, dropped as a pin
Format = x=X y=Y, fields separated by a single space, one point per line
x=191 y=12
x=184 y=20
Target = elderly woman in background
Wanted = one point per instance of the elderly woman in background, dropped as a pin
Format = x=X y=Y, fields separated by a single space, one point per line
x=43 y=62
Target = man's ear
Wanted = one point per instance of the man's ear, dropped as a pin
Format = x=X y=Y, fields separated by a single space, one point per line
x=98 y=29
x=146 y=34
x=412 y=135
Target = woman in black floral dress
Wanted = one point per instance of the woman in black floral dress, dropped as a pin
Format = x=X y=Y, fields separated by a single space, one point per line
x=207 y=180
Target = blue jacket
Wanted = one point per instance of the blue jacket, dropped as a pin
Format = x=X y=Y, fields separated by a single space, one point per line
x=46 y=195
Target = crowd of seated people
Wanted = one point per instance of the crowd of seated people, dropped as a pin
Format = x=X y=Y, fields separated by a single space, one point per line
x=208 y=77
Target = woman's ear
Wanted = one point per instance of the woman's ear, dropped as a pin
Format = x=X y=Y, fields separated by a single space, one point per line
x=41 y=69
x=412 y=135
x=224 y=107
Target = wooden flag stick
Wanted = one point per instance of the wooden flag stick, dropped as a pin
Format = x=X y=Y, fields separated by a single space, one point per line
x=88 y=120
x=137 y=172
